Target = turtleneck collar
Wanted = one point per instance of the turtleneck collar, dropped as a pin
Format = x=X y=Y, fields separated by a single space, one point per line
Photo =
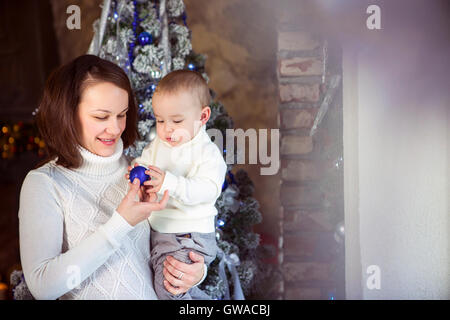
x=96 y=165
x=200 y=133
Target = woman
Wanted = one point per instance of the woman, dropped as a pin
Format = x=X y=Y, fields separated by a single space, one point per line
x=82 y=235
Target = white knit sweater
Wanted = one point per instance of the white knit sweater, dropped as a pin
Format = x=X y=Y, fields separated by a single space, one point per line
x=69 y=231
x=194 y=175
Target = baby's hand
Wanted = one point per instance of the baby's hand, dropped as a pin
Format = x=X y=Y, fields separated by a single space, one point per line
x=149 y=196
x=157 y=178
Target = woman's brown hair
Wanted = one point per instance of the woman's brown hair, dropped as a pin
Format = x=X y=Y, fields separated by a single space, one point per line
x=57 y=118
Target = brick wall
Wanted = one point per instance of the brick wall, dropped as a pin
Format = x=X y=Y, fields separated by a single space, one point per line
x=308 y=256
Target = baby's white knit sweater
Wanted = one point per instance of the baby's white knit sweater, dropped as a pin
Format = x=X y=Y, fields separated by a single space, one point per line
x=195 y=172
x=70 y=231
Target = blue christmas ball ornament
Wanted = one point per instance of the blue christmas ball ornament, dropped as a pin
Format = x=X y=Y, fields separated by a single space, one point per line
x=224 y=185
x=139 y=172
x=233 y=181
x=145 y=38
x=191 y=67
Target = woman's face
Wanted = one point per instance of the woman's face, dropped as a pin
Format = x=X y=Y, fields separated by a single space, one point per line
x=102 y=114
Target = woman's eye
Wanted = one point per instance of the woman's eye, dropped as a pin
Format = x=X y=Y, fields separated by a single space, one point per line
x=122 y=115
x=101 y=118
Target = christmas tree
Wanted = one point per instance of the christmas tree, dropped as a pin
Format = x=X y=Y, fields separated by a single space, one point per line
x=148 y=39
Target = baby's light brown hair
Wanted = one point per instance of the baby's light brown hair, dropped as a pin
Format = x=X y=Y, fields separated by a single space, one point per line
x=186 y=80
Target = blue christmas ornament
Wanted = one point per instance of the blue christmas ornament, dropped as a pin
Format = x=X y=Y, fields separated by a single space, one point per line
x=191 y=66
x=220 y=223
x=145 y=38
x=225 y=185
x=139 y=172
x=233 y=181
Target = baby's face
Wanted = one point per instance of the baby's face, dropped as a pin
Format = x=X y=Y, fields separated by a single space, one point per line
x=178 y=116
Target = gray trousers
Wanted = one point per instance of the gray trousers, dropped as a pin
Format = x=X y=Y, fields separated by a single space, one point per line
x=178 y=245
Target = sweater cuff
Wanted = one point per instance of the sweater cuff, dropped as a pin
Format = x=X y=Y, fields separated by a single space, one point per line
x=170 y=183
x=116 y=229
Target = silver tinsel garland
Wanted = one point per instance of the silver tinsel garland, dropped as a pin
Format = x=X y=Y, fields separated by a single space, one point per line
x=148 y=60
x=178 y=63
x=126 y=36
x=144 y=126
x=180 y=36
x=164 y=39
x=150 y=22
x=227 y=199
x=175 y=8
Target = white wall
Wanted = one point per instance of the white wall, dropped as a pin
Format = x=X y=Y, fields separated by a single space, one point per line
x=403 y=192
x=401 y=162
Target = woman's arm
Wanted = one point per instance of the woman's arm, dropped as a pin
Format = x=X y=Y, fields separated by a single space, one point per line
x=48 y=272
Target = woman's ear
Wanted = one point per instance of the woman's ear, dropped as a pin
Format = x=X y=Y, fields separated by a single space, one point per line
x=206 y=113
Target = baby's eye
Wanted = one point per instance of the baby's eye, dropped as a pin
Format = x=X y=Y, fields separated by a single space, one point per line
x=160 y=121
x=178 y=121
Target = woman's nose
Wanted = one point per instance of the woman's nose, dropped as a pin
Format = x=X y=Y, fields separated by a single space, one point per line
x=113 y=127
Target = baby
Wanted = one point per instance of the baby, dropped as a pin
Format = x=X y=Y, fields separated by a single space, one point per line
x=183 y=160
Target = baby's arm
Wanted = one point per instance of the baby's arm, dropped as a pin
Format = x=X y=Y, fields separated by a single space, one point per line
x=204 y=186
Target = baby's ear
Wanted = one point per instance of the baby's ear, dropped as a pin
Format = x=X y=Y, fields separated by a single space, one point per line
x=206 y=113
